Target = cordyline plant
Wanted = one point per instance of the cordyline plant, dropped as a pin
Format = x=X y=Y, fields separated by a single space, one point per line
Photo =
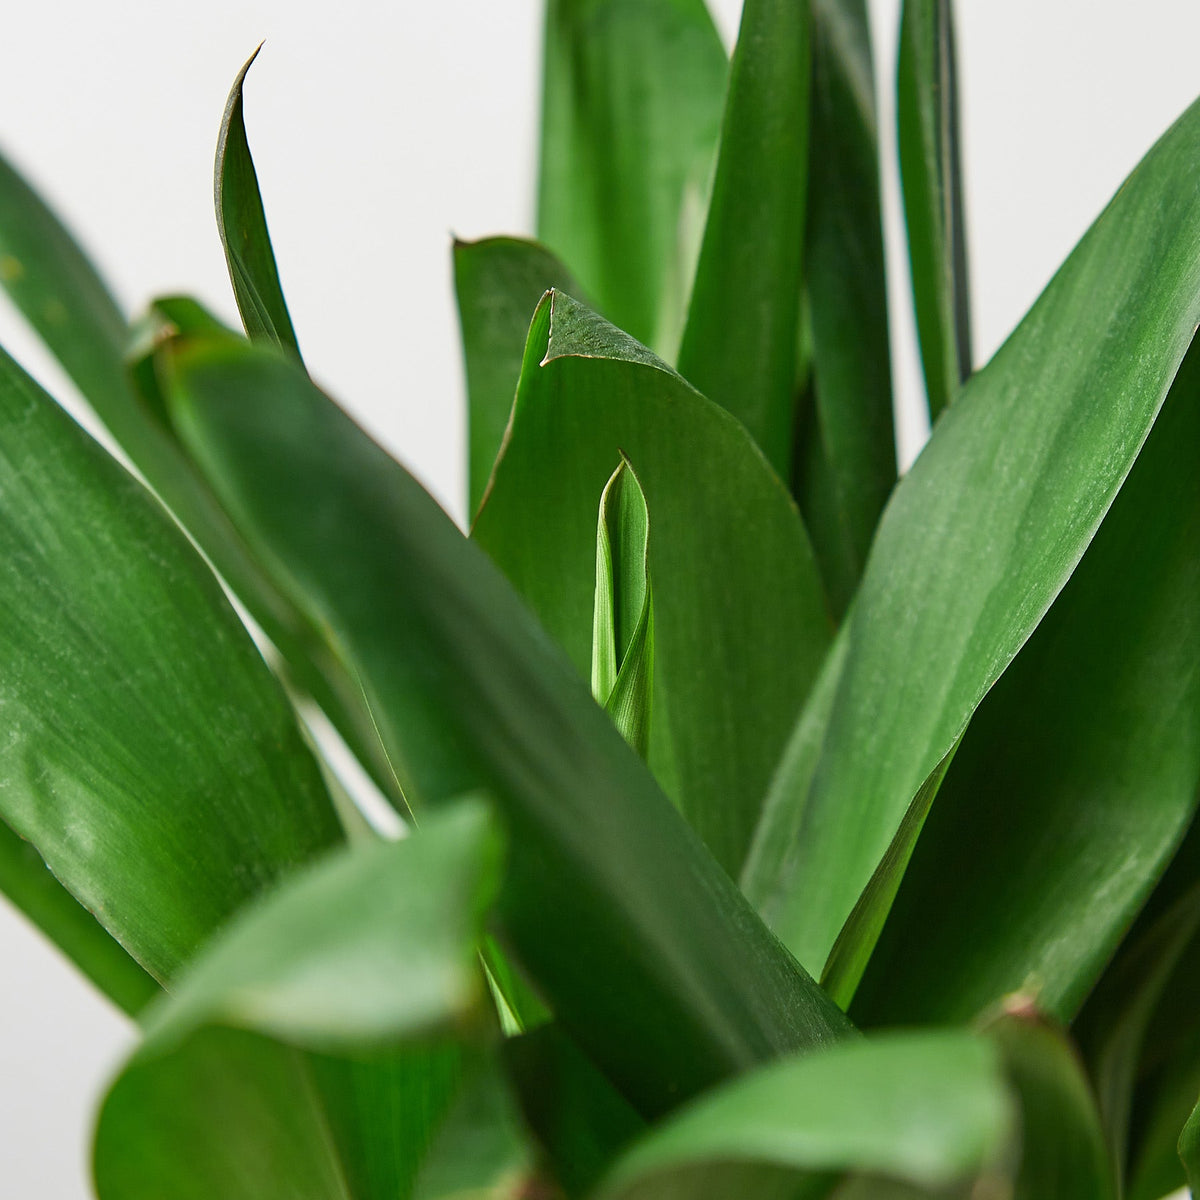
x=721 y=751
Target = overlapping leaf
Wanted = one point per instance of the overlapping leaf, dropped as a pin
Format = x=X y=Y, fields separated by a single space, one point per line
x=986 y=529
x=468 y=693
x=740 y=623
x=630 y=116
x=148 y=755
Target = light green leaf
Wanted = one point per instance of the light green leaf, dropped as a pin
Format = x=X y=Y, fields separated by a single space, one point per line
x=470 y=694
x=623 y=620
x=740 y=622
x=739 y=345
x=987 y=527
x=630 y=116
x=931 y=175
x=1079 y=773
x=928 y=1108
x=846 y=455
x=498 y=282
x=1189 y=1149
x=27 y=882
x=242 y=225
x=148 y=754
x=308 y=1053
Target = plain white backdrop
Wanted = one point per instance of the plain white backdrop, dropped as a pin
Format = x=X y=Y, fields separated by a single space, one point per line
x=378 y=133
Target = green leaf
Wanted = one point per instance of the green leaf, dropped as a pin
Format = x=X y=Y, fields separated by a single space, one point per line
x=845 y=464
x=1063 y=1151
x=148 y=755
x=985 y=530
x=928 y=1108
x=931 y=175
x=739 y=345
x=740 y=622
x=630 y=116
x=1189 y=1148
x=242 y=225
x=308 y=1052
x=1078 y=775
x=623 y=621
x=498 y=282
x=27 y=882
x=470 y=694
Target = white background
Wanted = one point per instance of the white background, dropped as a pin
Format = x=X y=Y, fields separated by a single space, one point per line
x=378 y=133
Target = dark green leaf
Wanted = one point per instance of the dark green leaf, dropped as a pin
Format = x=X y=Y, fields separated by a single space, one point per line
x=740 y=624
x=27 y=882
x=1079 y=773
x=630 y=116
x=986 y=529
x=307 y=1052
x=846 y=458
x=623 y=618
x=739 y=346
x=498 y=282
x=242 y=225
x=469 y=693
x=148 y=754
x=931 y=174
x=929 y=1108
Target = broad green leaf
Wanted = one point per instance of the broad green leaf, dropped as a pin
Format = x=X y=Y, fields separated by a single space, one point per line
x=931 y=178
x=1189 y=1149
x=148 y=755
x=581 y=1121
x=623 y=617
x=498 y=282
x=846 y=456
x=242 y=225
x=985 y=530
x=308 y=1052
x=470 y=694
x=27 y=882
x=630 y=116
x=1078 y=775
x=1063 y=1152
x=928 y=1108
x=740 y=622
x=739 y=345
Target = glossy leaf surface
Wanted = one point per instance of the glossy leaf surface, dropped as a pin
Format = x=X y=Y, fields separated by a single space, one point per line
x=739 y=345
x=306 y=1054
x=630 y=116
x=846 y=456
x=929 y=1108
x=986 y=528
x=1078 y=775
x=469 y=693
x=499 y=282
x=740 y=623
x=242 y=225
x=931 y=175
x=149 y=755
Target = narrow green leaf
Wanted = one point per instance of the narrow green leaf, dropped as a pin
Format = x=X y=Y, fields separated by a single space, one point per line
x=1079 y=773
x=27 y=882
x=985 y=530
x=1163 y=1110
x=1189 y=1149
x=469 y=693
x=1063 y=1152
x=845 y=464
x=740 y=622
x=630 y=116
x=928 y=1108
x=242 y=225
x=739 y=345
x=623 y=619
x=931 y=178
x=498 y=282
x=307 y=1053
x=148 y=755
